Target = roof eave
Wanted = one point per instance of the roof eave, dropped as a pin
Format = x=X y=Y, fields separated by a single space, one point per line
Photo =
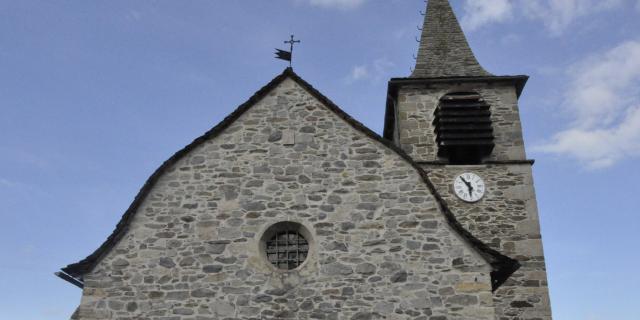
x=519 y=81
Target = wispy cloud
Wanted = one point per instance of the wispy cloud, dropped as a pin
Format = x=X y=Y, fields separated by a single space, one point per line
x=27 y=249
x=374 y=71
x=480 y=12
x=6 y=183
x=29 y=157
x=556 y=15
x=358 y=73
x=603 y=102
x=336 y=4
x=133 y=15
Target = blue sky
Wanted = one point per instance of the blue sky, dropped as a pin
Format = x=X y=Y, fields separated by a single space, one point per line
x=95 y=95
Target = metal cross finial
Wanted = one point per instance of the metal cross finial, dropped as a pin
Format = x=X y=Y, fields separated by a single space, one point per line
x=292 y=42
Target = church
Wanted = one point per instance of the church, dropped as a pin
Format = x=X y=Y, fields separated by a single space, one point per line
x=291 y=209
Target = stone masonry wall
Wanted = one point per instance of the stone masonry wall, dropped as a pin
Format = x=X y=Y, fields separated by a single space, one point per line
x=381 y=248
x=416 y=106
x=506 y=218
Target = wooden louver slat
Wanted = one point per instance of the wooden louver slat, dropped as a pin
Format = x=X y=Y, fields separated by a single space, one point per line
x=464 y=132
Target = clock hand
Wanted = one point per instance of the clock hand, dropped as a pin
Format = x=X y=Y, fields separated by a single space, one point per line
x=469 y=187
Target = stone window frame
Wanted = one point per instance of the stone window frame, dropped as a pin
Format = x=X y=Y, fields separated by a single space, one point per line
x=280 y=226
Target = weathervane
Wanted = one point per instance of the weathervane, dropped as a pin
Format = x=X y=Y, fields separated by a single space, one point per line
x=287 y=55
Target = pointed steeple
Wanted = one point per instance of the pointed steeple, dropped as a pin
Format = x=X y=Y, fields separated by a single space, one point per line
x=444 y=50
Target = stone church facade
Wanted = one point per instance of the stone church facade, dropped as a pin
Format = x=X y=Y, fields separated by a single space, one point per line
x=291 y=209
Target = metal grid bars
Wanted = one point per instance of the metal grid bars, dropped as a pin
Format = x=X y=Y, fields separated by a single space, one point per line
x=287 y=249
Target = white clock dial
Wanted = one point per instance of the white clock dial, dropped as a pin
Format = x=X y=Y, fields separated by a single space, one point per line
x=469 y=187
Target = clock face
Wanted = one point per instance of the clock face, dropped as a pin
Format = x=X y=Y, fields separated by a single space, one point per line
x=469 y=187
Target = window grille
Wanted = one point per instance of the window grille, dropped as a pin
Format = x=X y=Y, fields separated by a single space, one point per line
x=287 y=249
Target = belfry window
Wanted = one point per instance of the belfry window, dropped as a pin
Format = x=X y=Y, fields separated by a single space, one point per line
x=463 y=128
x=285 y=245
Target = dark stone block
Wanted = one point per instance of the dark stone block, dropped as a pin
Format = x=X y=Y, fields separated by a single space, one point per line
x=275 y=136
x=521 y=304
x=227 y=260
x=376 y=242
x=346 y=226
x=262 y=298
x=166 y=262
x=188 y=261
x=212 y=269
x=253 y=206
x=362 y=316
x=132 y=306
x=400 y=276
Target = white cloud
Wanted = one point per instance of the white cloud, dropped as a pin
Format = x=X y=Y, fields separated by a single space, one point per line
x=603 y=102
x=338 y=4
x=358 y=73
x=599 y=147
x=556 y=15
x=374 y=71
x=480 y=12
x=604 y=83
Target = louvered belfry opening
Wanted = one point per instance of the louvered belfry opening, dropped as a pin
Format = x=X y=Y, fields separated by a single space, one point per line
x=464 y=133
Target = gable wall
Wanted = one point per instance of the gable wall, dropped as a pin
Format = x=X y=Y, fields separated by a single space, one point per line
x=381 y=248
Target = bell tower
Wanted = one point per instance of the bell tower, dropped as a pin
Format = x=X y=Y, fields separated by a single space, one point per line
x=460 y=122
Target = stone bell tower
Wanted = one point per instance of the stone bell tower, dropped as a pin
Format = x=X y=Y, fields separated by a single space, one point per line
x=455 y=118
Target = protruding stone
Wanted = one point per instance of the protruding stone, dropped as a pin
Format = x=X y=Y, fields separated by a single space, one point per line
x=400 y=276
x=253 y=206
x=262 y=298
x=337 y=246
x=120 y=263
x=366 y=268
x=463 y=300
x=216 y=247
x=212 y=268
x=203 y=293
x=521 y=304
x=197 y=160
x=375 y=242
x=275 y=136
x=132 y=306
x=166 y=262
x=337 y=269
x=362 y=316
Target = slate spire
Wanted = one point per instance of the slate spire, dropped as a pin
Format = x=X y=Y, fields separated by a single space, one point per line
x=444 y=50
